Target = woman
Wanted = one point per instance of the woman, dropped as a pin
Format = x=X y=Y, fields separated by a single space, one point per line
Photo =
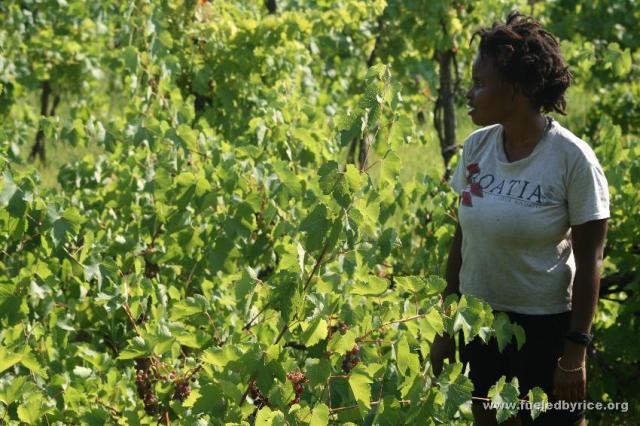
x=532 y=222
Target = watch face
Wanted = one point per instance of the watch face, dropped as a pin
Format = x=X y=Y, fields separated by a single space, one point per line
x=580 y=338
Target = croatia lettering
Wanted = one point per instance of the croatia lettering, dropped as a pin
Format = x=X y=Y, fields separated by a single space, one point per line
x=518 y=191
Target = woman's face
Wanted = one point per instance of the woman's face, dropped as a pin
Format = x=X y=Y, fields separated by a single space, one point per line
x=490 y=99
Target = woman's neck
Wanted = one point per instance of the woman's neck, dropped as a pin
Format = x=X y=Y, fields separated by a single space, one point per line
x=524 y=131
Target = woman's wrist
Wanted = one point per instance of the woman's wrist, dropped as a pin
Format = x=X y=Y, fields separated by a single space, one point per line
x=574 y=355
x=571 y=369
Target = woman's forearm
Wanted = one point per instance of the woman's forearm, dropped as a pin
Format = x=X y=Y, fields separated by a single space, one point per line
x=588 y=246
x=586 y=288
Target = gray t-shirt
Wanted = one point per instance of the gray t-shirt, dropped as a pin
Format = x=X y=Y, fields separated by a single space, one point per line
x=516 y=217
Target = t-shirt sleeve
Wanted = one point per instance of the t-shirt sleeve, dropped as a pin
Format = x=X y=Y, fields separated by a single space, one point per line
x=459 y=180
x=588 y=194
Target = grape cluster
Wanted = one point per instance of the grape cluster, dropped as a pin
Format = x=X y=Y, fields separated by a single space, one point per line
x=148 y=374
x=181 y=389
x=341 y=327
x=259 y=400
x=351 y=359
x=298 y=379
x=144 y=386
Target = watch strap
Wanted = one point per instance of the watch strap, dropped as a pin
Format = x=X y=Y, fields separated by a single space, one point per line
x=583 y=339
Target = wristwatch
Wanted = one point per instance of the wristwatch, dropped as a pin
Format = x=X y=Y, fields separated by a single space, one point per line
x=580 y=338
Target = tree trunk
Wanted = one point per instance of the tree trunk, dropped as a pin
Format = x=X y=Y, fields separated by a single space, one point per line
x=272 y=7
x=37 y=150
x=444 y=113
x=361 y=142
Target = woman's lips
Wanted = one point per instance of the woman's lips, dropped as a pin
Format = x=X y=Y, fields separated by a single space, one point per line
x=470 y=109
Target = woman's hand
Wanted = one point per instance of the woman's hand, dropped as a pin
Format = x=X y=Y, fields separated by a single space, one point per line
x=443 y=347
x=571 y=386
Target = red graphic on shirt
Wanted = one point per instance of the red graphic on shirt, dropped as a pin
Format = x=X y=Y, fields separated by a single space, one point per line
x=466 y=198
x=476 y=189
x=472 y=169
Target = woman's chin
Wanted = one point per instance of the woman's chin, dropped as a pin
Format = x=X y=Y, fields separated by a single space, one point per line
x=479 y=120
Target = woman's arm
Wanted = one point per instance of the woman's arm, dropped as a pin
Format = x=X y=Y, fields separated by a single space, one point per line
x=454 y=262
x=588 y=246
x=444 y=346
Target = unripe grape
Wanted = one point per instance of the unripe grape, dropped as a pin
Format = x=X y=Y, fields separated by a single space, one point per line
x=343 y=328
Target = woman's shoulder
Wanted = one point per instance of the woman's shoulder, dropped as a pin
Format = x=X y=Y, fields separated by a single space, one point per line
x=574 y=148
x=480 y=138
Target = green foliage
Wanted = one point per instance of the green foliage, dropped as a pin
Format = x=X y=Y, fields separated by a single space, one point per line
x=215 y=240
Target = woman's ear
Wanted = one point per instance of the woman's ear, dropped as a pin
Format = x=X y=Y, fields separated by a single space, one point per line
x=515 y=91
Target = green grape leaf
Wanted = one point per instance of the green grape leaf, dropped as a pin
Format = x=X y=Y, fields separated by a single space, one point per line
x=320 y=415
x=412 y=284
x=390 y=169
x=32 y=410
x=313 y=332
x=406 y=360
x=371 y=286
x=316 y=225
x=360 y=383
x=502 y=325
x=287 y=294
x=30 y=361
x=518 y=331
x=340 y=343
x=288 y=179
x=455 y=386
x=220 y=357
x=329 y=176
x=538 y=400
x=10 y=391
x=137 y=348
x=504 y=396
x=8 y=359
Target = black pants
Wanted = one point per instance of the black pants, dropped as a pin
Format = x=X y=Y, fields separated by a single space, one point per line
x=534 y=365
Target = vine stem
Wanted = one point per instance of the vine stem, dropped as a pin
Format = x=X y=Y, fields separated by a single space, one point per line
x=249 y=324
x=112 y=411
x=402 y=401
x=414 y=317
x=282 y=331
x=351 y=407
x=304 y=289
x=208 y=157
x=286 y=326
x=246 y=392
x=154 y=360
x=194 y=370
x=125 y=307
x=316 y=266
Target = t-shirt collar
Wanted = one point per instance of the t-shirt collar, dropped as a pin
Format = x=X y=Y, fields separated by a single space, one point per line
x=499 y=150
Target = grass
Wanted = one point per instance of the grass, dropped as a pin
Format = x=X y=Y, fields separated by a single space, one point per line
x=58 y=155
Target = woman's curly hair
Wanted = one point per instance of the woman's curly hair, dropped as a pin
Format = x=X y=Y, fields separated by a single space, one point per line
x=529 y=57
